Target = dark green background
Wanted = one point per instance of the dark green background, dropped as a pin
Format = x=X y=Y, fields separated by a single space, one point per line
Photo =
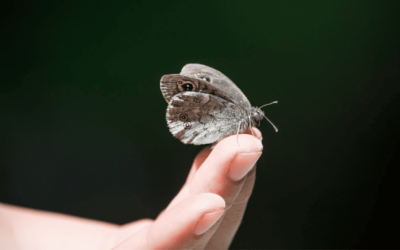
x=83 y=128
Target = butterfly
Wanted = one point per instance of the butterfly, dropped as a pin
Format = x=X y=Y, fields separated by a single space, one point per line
x=205 y=106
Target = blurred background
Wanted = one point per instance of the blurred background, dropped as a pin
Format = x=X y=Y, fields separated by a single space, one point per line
x=82 y=118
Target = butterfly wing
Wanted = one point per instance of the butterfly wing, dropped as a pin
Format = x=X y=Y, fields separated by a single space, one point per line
x=201 y=78
x=218 y=80
x=199 y=118
x=175 y=83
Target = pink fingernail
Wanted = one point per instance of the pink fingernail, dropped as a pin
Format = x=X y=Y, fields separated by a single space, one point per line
x=207 y=221
x=242 y=164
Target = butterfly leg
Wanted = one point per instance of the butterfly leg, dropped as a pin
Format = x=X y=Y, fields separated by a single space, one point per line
x=251 y=128
x=237 y=135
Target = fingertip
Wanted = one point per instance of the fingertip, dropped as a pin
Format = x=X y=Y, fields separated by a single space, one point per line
x=257 y=133
x=206 y=203
x=242 y=143
x=217 y=201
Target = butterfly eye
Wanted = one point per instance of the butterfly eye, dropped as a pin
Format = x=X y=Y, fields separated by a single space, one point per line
x=183 y=117
x=187 y=87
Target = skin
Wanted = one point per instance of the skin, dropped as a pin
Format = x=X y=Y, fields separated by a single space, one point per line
x=205 y=214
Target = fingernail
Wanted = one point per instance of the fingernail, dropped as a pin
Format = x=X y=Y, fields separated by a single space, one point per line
x=259 y=144
x=242 y=164
x=207 y=221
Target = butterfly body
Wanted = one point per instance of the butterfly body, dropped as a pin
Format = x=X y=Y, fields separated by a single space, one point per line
x=204 y=106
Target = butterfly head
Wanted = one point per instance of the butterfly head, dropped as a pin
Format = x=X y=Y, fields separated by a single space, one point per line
x=257 y=114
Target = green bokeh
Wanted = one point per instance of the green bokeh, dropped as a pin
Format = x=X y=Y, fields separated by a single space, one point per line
x=85 y=75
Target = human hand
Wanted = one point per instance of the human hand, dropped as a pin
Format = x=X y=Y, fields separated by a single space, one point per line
x=208 y=210
x=204 y=215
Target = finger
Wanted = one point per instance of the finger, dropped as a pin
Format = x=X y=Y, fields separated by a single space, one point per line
x=199 y=160
x=224 y=170
x=184 y=192
x=204 y=153
x=224 y=234
x=181 y=226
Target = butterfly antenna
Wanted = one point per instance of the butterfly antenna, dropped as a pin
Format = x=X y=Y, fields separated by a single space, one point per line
x=276 y=129
x=269 y=104
x=237 y=135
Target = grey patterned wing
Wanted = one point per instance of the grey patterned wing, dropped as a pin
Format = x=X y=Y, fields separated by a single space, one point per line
x=218 y=80
x=199 y=118
x=175 y=83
